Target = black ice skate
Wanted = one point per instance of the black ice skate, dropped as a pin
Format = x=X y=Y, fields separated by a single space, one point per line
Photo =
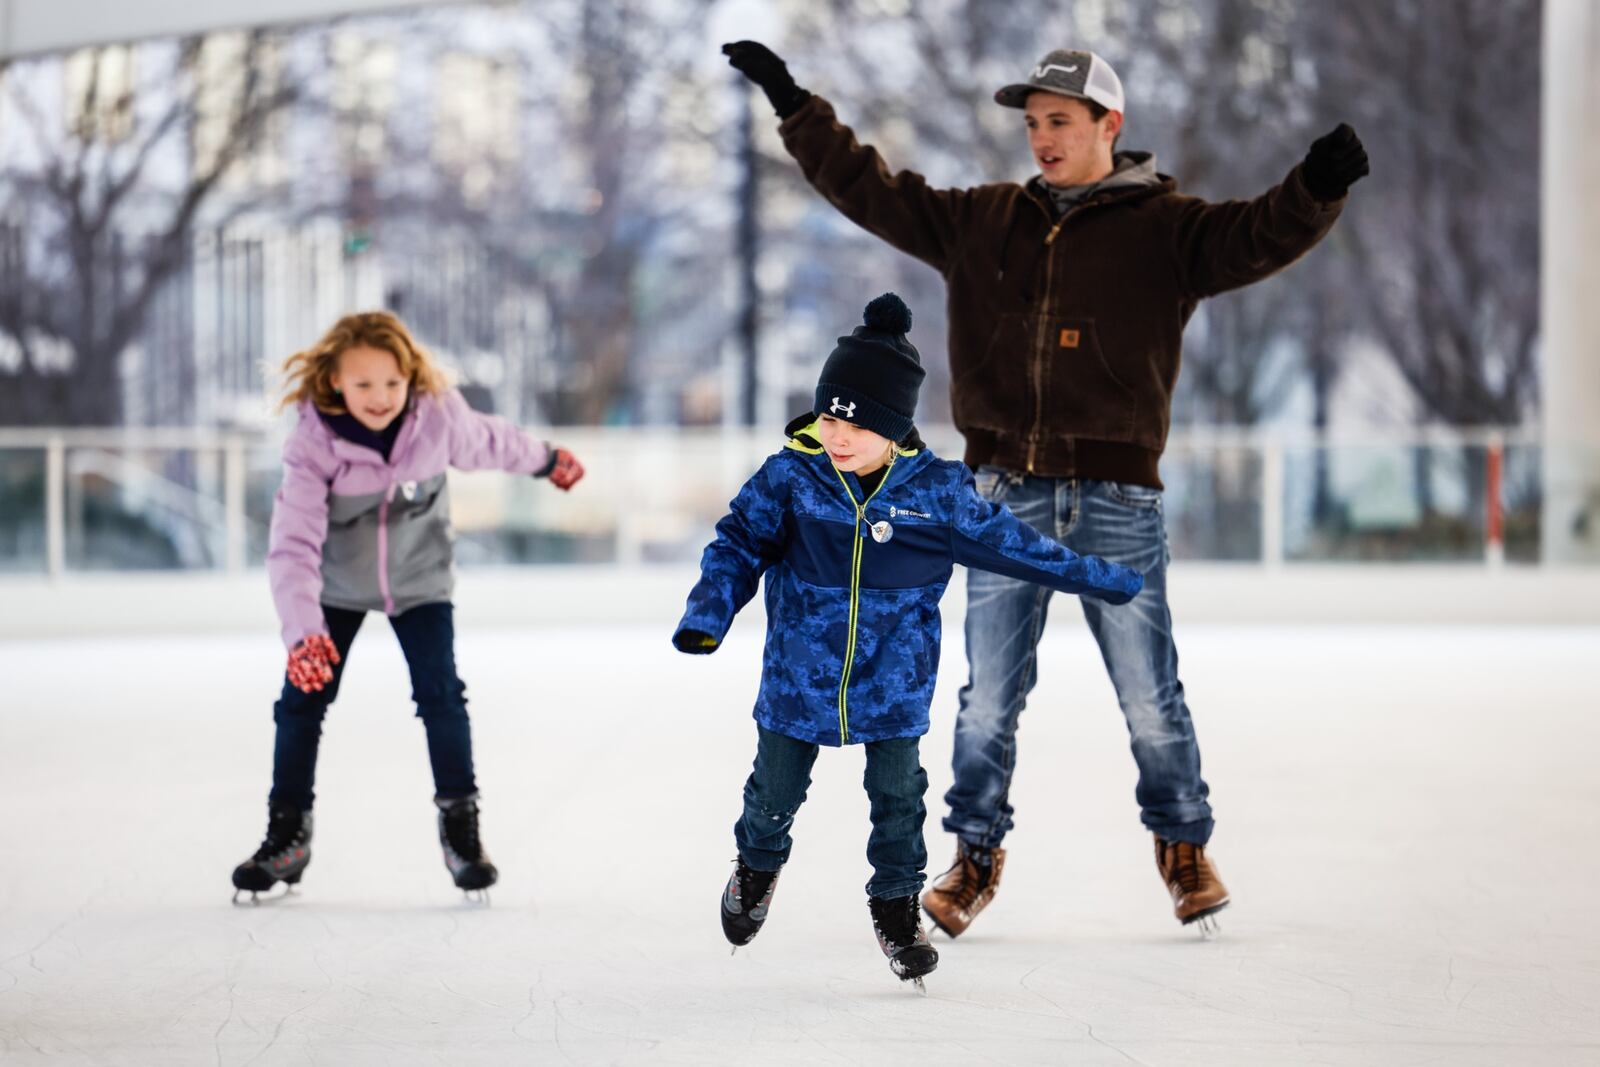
x=745 y=901
x=898 y=923
x=463 y=852
x=282 y=857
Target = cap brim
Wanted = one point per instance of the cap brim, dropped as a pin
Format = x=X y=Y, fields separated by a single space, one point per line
x=1017 y=95
x=1013 y=95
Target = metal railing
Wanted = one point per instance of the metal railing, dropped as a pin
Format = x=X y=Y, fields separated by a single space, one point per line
x=74 y=500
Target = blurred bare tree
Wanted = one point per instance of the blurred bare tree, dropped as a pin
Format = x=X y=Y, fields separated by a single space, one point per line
x=101 y=218
x=603 y=161
x=1445 y=241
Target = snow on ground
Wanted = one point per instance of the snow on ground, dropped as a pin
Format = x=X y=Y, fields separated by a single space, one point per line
x=1406 y=819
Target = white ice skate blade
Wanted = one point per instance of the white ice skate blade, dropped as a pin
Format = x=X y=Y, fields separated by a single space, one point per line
x=921 y=988
x=260 y=897
x=1208 y=927
x=481 y=899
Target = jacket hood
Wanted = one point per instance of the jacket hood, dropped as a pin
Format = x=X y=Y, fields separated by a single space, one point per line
x=1134 y=175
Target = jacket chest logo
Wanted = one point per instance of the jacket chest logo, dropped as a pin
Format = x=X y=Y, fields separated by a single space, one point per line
x=847 y=410
x=1069 y=338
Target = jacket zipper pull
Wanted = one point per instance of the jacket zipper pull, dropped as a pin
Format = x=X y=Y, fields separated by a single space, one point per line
x=1050 y=239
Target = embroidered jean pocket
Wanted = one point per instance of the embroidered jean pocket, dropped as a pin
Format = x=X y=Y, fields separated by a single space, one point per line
x=1134 y=496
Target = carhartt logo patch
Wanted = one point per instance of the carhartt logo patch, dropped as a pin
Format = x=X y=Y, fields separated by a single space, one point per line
x=1069 y=338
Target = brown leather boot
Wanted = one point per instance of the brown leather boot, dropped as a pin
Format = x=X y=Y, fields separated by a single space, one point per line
x=1197 y=893
x=965 y=889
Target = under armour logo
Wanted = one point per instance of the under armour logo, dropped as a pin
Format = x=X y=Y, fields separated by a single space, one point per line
x=848 y=410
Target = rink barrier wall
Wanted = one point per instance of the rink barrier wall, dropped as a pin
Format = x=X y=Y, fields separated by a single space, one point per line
x=118 y=605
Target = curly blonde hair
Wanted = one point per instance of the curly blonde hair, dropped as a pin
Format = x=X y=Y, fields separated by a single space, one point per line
x=308 y=375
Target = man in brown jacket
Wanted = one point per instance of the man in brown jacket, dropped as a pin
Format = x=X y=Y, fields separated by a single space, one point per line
x=1068 y=296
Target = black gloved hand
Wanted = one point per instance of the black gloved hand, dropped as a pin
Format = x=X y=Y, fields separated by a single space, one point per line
x=694 y=642
x=1335 y=162
x=761 y=65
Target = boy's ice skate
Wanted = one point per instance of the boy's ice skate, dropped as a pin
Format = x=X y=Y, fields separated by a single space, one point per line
x=282 y=857
x=464 y=854
x=898 y=924
x=745 y=901
x=965 y=889
x=1197 y=893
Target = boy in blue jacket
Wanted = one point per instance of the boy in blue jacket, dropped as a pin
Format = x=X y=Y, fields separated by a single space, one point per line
x=856 y=526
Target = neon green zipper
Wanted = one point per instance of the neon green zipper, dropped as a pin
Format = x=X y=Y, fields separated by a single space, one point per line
x=855 y=595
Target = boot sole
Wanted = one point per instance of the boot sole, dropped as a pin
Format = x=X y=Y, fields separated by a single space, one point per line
x=909 y=975
x=939 y=926
x=933 y=918
x=473 y=884
x=1206 y=913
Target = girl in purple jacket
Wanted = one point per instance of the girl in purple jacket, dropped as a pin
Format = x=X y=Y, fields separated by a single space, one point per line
x=362 y=523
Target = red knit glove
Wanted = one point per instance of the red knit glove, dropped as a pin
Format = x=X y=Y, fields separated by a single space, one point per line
x=311 y=663
x=567 y=470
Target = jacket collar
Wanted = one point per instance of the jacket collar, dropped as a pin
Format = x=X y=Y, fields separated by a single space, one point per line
x=418 y=410
x=1134 y=178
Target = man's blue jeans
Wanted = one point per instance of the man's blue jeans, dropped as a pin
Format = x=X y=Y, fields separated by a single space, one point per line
x=895 y=783
x=1005 y=617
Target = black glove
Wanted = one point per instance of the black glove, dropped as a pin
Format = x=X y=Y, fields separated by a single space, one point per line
x=762 y=66
x=694 y=642
x=1335 y=162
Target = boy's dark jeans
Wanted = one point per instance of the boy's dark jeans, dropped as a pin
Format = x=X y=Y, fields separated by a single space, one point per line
x=427 y=637
x=895 y=784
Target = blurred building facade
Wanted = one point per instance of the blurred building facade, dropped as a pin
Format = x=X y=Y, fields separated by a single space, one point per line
x=555 y=197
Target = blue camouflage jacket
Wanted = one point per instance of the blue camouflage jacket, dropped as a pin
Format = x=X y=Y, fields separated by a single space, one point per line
x=854 y=582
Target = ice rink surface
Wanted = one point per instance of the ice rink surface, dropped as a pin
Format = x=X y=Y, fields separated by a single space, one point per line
x=1406 y=819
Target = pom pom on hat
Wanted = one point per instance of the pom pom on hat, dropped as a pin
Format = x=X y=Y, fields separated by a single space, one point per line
x=887 y=313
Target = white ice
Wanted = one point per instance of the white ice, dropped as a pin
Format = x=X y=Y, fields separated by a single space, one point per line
x=1406 y=819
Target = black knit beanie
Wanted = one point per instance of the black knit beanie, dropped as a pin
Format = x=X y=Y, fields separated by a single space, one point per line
x=872 y=378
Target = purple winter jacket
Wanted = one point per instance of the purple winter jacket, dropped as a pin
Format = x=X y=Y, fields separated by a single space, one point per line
x=353 y=531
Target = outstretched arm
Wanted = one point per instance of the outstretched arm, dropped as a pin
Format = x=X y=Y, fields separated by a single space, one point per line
x=750 y=538
x=989 y=537
x=900 y=207
x=488 y=442
x=1228 y=245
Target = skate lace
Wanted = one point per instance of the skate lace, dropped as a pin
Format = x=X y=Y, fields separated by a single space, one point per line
x=896 y=920
x=1186 y=867
x=971 y=877
x=753 y=884
x=461 y=830
x=282 y=830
